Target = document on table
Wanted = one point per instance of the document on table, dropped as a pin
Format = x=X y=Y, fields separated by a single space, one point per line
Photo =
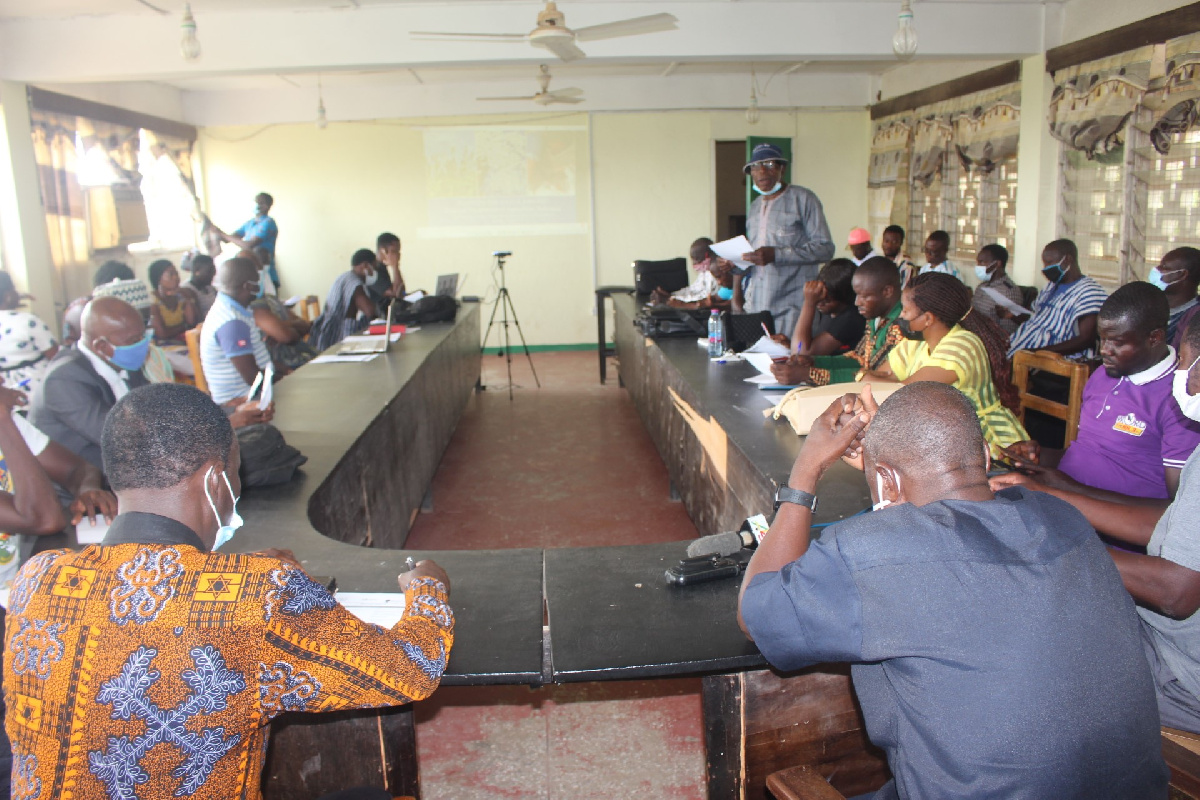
x=333 y=358
x=380 y=608
x=374 y=337
x=1005 y=303
x=768 y=346
x=733 y=249
x=415 y=296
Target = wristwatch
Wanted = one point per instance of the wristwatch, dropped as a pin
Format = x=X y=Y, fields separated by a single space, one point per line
x=787 y=494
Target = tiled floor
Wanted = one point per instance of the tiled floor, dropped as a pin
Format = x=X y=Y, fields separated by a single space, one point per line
x=566 y=465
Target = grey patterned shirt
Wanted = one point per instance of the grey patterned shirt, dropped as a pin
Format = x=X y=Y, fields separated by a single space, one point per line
x=794 y=224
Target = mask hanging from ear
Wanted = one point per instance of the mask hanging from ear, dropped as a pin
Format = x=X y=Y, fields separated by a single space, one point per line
x=224 y=532
x=882 y=503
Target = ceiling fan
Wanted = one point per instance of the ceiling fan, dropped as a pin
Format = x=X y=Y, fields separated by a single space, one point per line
x=546 y=97
x=553 y=34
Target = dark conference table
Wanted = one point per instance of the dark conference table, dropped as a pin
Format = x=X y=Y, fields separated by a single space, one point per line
x=374 y=433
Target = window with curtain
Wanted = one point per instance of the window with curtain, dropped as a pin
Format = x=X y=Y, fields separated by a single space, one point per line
x=964 y=169
x=1093 y=211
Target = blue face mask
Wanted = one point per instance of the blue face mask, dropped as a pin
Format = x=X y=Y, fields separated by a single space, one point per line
x=1156 y=277
x=131 y=356
x=225 y=532
x=1055 y=272
x=778 y=185
x=724 y=293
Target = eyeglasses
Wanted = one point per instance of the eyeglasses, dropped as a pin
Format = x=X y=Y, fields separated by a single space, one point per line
x=768 y=165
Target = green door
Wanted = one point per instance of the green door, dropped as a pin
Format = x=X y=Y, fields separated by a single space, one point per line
x=785 y=147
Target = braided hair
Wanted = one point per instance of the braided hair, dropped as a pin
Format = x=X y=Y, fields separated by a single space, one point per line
x=948 y=299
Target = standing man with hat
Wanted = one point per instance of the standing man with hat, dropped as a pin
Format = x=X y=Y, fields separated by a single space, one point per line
x=787 y=228
x=859 y=244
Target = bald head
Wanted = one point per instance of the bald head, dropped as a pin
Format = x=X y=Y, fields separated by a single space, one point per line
x=234 y=274
x=108 y=323
x=926 y=429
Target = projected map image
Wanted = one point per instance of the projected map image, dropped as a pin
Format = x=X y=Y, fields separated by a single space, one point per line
x=507 y=180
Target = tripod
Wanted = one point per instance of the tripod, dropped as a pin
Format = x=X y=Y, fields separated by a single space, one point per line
x=504 y=306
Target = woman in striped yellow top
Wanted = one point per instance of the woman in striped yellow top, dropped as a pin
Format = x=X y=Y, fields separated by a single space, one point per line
x=947 y=343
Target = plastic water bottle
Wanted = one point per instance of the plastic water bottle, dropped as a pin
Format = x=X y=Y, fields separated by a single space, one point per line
x=716 y=335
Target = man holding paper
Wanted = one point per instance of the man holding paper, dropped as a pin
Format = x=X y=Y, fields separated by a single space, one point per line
x=786 y=227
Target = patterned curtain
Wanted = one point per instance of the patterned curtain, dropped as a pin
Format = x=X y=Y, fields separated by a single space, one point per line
x=890 y=147
x=66 y=222
x=987 y=128
x=1092 y=102
x=1175 y=98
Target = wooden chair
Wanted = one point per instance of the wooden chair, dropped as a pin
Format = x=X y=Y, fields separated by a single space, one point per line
x=1077 y=372
x=310 y=307
x=192 y=338
x=1181 y=750
x=801 y=783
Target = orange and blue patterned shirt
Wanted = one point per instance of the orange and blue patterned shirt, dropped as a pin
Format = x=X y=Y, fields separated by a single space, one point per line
x=151 y=670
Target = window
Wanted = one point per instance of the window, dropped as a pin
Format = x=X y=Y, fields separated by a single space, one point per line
x=1166 y=198
x=1092 y=212
x=973 y=207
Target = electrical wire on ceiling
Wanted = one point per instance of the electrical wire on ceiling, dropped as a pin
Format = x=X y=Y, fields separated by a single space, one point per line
x=154 y=8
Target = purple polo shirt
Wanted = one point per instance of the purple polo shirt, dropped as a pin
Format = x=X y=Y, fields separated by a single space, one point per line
x=1130 y=428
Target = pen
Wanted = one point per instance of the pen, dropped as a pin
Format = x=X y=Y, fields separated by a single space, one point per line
x=766 y=332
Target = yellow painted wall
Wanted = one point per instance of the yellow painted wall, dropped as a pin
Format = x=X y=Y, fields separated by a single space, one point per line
x=654 y=185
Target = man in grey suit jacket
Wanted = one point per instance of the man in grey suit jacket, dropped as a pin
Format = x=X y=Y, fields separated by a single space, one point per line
x=84 y=383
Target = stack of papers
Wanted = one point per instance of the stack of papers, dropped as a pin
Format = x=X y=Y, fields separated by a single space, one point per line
x=733 y=250
x=762 y=355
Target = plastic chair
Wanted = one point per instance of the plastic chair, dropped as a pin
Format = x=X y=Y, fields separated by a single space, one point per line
x=192 y=338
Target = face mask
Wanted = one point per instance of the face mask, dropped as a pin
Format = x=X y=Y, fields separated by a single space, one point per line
x=1055 y=272
x=131 y=356
x=879 y=493
x=982 y=273
x=1156 y=277
x=724 y=293
x=1189 y=404
x=778 y=185
x=225 y=532
x=906 y=328
x=702 y=266
x=372 y=278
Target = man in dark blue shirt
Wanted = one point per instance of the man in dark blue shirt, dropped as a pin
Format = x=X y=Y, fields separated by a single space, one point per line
x=995 y=651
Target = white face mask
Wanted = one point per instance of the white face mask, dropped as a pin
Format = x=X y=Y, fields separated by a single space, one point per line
x=225 y=532
x=372 y=278
x=1189 y=404
x=879 y=492
x=982 y=272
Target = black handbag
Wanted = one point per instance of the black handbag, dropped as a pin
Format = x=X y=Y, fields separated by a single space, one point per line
x=743 y=330
x=670 y=275
x=664 y=322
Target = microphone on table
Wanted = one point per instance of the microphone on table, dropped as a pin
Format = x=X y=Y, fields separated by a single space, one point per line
x=725 y=543
x=729 y=542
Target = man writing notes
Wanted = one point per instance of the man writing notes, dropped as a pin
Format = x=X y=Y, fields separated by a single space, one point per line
x=995 y=652
x=786 y=226
x=149 y=666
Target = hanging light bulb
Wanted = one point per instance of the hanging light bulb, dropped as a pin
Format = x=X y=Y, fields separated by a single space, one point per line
x=904 y=41
x=189 y=45
x=752 y=109
x=322 y=122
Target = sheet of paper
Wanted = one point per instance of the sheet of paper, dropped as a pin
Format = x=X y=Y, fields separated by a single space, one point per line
x=258 y=379
x=87 y=533
x=769 y=347
x=760 y=361
x=766 y=379
x=1005 y=303
x=373 y=337
x=380 y=608
x=732 y=250
x=415 y=296
x=268 y=392
x=291 y=301
x=335 y=358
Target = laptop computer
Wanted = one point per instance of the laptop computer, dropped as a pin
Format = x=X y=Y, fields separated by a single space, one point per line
x=373 y=345
x=447 y=285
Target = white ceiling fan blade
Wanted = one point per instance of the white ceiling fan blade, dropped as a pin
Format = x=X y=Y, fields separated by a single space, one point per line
x=563 y=48
x=514 y=97
x=627 y=27
x=555 y=98
x=443 y=36
x=570 y=91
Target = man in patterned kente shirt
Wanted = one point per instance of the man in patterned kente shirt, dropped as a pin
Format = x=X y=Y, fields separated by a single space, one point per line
x=150 y=665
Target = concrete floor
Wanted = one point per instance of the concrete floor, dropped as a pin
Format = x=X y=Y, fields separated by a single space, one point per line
x=567 y=465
